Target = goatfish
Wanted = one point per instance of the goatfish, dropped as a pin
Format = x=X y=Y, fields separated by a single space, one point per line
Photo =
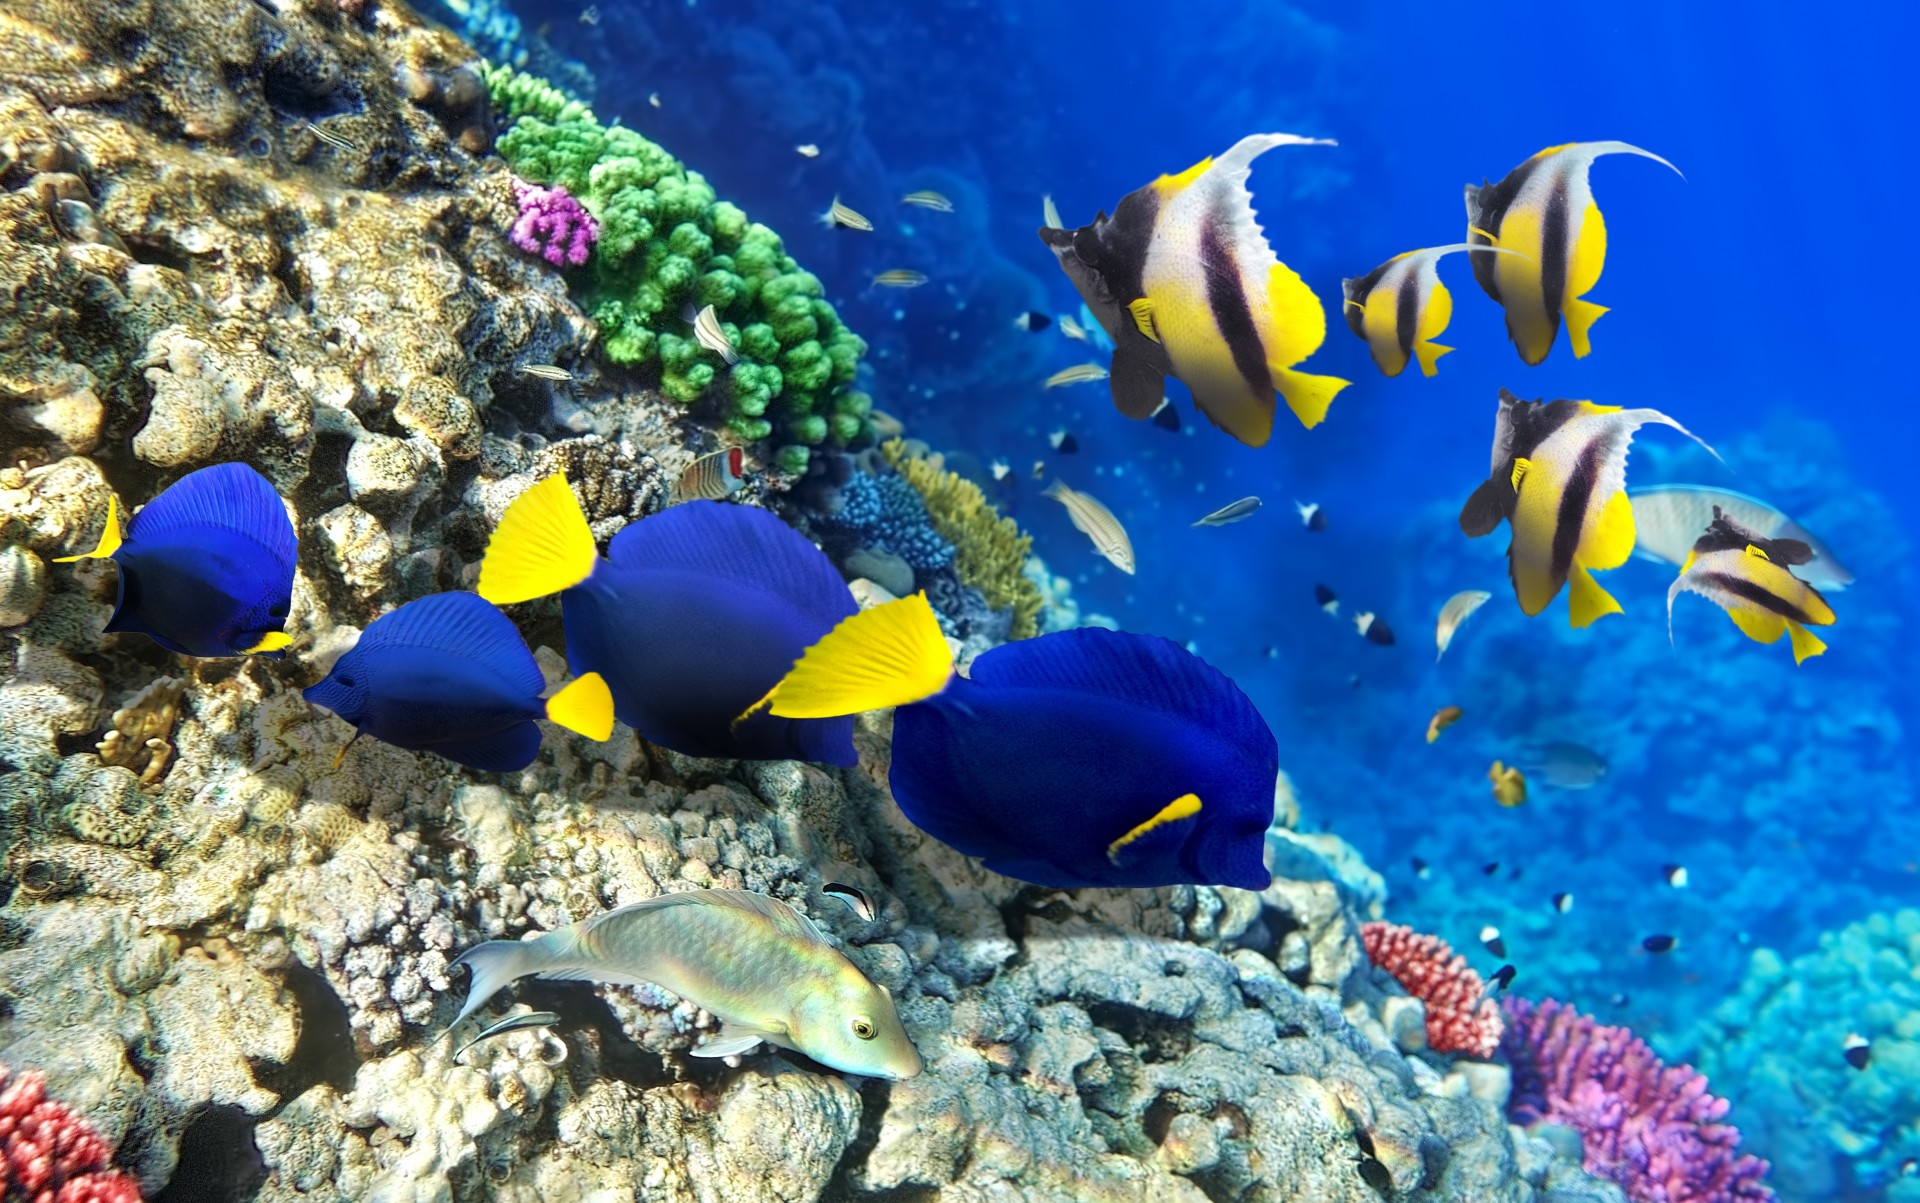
x=1509 y=785
x=1544 y=210
x=839 y=215
x=900 y=278
x=757 y=965
x=928 y=200
x=206 y=568
x=1079 y=373
x=1751 y=578
x=1183 y=281
x=695 y=612
x=1096 y=522
x=712 y=477
x=708 y=332
x=1233 y=511
x=1458 y=608
x=449 y=674
x=1558 y=477
x=1670 y=518
x=1086 y=757
x=1400 y=307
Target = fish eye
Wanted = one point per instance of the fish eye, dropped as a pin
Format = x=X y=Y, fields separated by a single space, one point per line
x=863 y=1028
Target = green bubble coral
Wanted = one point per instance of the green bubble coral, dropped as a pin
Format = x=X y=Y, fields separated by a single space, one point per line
x=991 y=550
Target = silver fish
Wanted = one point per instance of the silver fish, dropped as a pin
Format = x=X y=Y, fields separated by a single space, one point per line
x=928 y=200
x=330 y=138
x=808 y=150
x=1564 y=765
x=706 y=329
x=1080 y=373
x=1073 y=329
x=1097 y=522
x=590 y=15
x=1457 y=610
x=653 y=98
x=1050 y=216
x=856 y=899
x=762 y=968
x=900 y=278
x=838 y=214
x=512 y=1023
x=1233 y=511
x=999 y=468
x=1669 y=519
x=544 y=371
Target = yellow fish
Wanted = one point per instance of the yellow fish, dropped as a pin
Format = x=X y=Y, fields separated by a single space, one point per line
x=1183 y=281
x=1401 y=306
x=1442 y=718
x=1509 y=785
x=1544 y=210
x=1748 y=576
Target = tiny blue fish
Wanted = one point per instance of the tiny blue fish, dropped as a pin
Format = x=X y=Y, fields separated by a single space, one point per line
x=450 y=674
x=694 y=614
x=1081 y=758
x=206 y=568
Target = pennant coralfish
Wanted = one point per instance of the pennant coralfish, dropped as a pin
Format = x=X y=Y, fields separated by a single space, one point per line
x=1401 y=306
x=1748 y=576
x=1183 y=281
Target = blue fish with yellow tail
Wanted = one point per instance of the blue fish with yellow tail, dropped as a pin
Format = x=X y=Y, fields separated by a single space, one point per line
x=1080 y=758
x=695 y=612
x=450 y=674
x=206 y=568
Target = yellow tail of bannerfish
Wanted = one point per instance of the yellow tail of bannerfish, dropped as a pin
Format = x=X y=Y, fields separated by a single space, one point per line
x=890 y=655
x=1300 y=326
x=543 y=545
x=109 y=537
x=585 y=705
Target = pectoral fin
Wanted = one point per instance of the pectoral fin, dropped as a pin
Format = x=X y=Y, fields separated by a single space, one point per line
x=1164 y=831
x=733 y=1040
x=1138 y=385
x=1490 y=503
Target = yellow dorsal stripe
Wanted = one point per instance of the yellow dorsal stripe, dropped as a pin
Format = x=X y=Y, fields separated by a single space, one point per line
x=109 y=537
x=1184 y=807
x=1167 y=185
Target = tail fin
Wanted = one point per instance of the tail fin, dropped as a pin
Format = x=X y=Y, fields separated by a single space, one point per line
x=585 y=705
x=109 y=537
x=1581 y=315
x=1429 y=355
x=1586 y=600
x=543 y=545
x=1805 y=642
x=890 y=655
x=497 y=964
x=1307 y=395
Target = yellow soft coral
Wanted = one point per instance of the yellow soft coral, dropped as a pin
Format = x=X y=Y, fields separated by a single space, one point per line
x=990 y=549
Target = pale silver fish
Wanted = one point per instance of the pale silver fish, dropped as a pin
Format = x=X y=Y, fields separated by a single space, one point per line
x=653 y=98
x=927 y=199
x=330 y=138
x=1669 y=519
x=999 y=468
x=808 y=150
x=1050 y=216
x=856 y=899
x=544 y=371
x=1564 y=765
x=1073 y=329
x=759 y=966
x=590 y=15
x=512 y=1023
x=712 y=477
x=1096 y=522
x=707 y=331
x=1234 y=511
x=900 y=278
x=1080 y=373
x=838 y=214
x=1457 y=610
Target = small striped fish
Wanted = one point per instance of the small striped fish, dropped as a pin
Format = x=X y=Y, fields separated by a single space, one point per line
x=839 y=215
x=900 y=278
x=928 y=200
x=1050 y=216
x=1097 y=522
x=808 y=150
x=1458 y=609
x=1235 y=511
x=1080 y=373
x=331 y=139
x=706 y=329
x=712 y=477
x=1073 y=329
x=544 y=371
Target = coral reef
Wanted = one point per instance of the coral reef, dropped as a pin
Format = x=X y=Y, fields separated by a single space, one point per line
x=49 y=1154
x=1460 y=1017
x=889 y=516
x=553 y=225
x=991 y=551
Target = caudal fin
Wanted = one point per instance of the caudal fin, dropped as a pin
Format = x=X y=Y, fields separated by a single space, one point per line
x=495 y=965
x=890 y=655
x=1581 y=315
x=543 y=545
x=1586 y=600
x=109 y=537
x=585 y=705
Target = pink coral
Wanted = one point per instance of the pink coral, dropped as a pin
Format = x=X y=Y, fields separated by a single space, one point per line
x=553 y=224
x=48 y=1154
x=1460 y=1016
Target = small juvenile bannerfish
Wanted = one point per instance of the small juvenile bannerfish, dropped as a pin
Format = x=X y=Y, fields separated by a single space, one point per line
x=1073 y=329
x=449 y=674
x=1670 y=518
x=653 y=98
x=590 y=15
x=1311 y=515
x=1049 y=216
x=1563 y=903
x=330 y=138
x=1750 y=578
x=1544 y=211
x=1167 y=417
x=1183 y=281
x=900 y=278
x=1324 y=598
x=1565 y=765
x=1033 y=321
x=1660 y=944
x=1675 y=876
x=1491 y=941
x=855 y=898
x=1558 y=478
x=808 y=150
x=1096 y=522
x=1457 y=610
x=1442 y=718
x=708 y=332
x=695 y=612
x=1858 y=1050
x=1063 y=442
x=1039 y=469
x=1503 y=976
x=1079 y=373
x=757 y=965
x=1400 y=307
x=928 y=200
x=544 y=371
x=1421 y=869
x=1233 y=511
x=512 y=1023
x=712 y=477
x=1085 y=757
x=1000 y=469
x=1372 y=629
x=206 y=568
x=839 y=215
x=1509 y=787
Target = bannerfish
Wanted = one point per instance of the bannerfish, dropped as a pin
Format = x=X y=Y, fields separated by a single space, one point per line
x=1079 y=373
x=1167 y=417
x=759 y=966
x=807 y=150
x=708 y=332
x=206 y=568
x=1085 y=757
x=927 y=199
x=1749 y=577
x=512 y=1023
x=712 y=477
x=1233 y=511
x=1544 y=211
x=1096 y=522
x=1049 y=215
x=1670 y=518
x=1325 y=599
x=1442 y=718
x=1183 y=280
x=1400 y=307
x=1565 y=765
x=1509 y=790
x=1073 y=329
x=695 y=612
x=839 y=215
x=1311 y=515
x=1033 y=321
x=450 y=674
x=900 y=278
x=1063 y=442
x=855 y=898
x=1372 y=629
x=1457 y=610
x=1558 y=477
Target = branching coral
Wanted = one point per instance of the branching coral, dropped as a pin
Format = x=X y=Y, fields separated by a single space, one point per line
x=1460 y=1017
x=49 y=1153
x=990 y=551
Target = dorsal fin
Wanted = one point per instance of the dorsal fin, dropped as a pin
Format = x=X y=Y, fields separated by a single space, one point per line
x=229 y=497
x=463 y=626
x=739 y=545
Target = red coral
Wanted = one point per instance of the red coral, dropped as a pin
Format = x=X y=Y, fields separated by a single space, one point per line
x=48 y=1154
x=1460 y=1016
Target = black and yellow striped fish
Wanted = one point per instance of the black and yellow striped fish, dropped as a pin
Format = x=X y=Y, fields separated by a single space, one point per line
x=1559 y=477
x=1544 y=210
x=1401 y=306
x=1183 y=280
x=1747 y=576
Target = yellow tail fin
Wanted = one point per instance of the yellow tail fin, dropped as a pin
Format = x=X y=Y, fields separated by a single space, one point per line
x=1581 y=315
x=887 y=656
x=585 y=705
x=272 y=641
x=1805 y=642
x=1308 y=396
x=1429 y=355
x=542 y=545
x=109 y=537
x=1586 y=600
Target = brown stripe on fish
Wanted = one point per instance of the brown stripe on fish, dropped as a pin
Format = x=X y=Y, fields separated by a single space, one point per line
x=1556 y=246
x=1759 y=595
x=1570 y=523
x=1232 y=316
x=1406 y=315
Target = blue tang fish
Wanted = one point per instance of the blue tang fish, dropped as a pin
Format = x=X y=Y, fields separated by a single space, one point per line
x=1080 y=758
x=450 y=674
x=206 y=568
x=695 y=612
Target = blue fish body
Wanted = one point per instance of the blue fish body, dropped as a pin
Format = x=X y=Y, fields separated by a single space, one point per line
x=1061 y=747
x=207 y=566
x=694 y=615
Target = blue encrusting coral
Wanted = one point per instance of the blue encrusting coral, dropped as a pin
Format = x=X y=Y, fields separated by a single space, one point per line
x=890 y=516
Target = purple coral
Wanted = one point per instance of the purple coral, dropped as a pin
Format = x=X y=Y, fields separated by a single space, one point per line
x=553 y=224
x=1650 y=1127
